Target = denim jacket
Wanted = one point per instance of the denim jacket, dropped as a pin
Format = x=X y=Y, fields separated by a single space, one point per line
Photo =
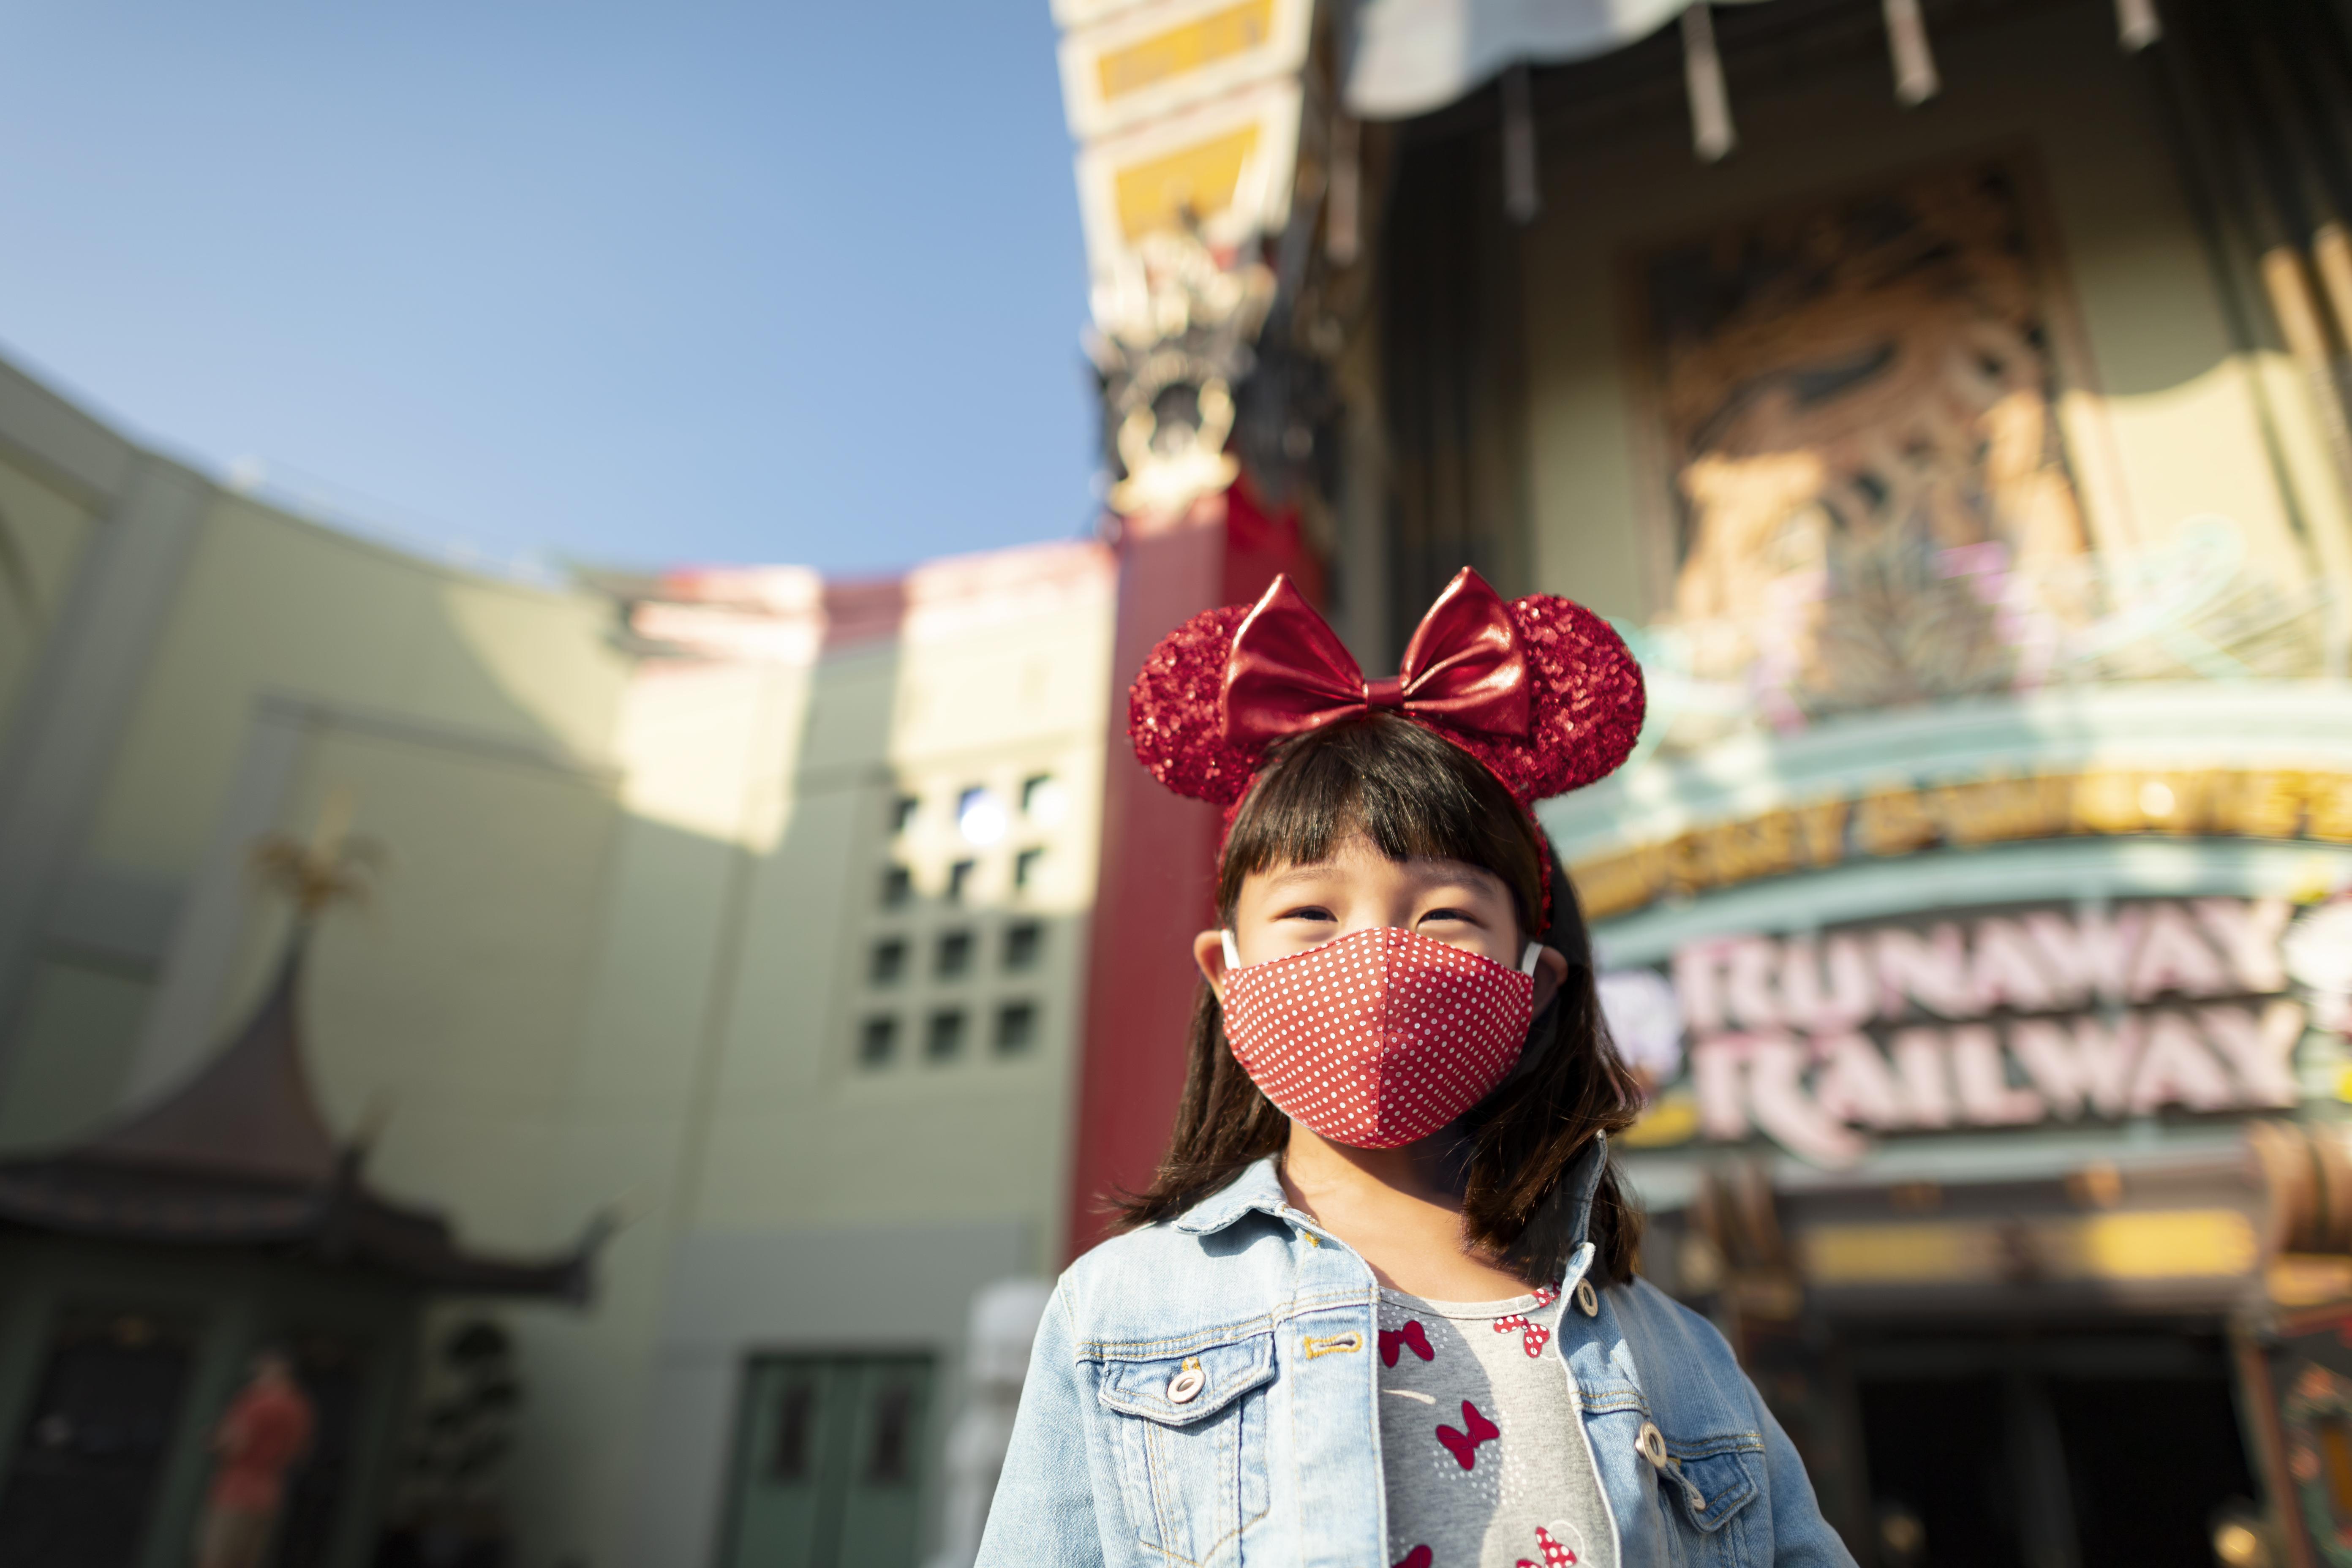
x=1272 y=1454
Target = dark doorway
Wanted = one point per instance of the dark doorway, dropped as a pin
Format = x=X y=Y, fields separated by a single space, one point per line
x=2108 y=1450
x=81 y=1489
x=329 y=1367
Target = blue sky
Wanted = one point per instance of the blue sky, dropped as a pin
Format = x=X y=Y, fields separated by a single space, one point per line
x=632 y=284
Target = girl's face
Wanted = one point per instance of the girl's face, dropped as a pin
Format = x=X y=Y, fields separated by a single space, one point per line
x=1289 y=909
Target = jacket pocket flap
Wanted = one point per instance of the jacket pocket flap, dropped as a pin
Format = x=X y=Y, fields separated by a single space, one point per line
x=1178 y=1390
x=1720 y=1477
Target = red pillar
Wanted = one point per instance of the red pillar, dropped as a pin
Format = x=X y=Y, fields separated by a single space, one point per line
x=1155 y=888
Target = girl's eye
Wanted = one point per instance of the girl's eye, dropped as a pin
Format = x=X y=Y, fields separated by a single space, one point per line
x=1306 y=912
x=1450 y=914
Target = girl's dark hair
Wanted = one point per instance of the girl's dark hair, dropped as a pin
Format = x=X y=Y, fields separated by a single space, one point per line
x=1419 y=796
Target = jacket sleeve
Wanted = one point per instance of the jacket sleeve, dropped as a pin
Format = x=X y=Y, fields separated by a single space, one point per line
x=1801 y=1537
x=1044 y=1511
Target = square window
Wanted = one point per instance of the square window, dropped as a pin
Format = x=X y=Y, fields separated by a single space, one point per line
x=955 y=953
x=1022 y=944
x=980 y=816
x=887 y=962
x=945 y=1041
x=1043 y=801
x=877 y=1042
x=960 y=876
x=1026 y=866
x=1016 y=1028
x=897 y=887
x=902 y=812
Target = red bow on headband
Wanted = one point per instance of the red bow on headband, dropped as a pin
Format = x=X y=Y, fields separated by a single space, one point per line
x=1538 y=689
x=1289 y=673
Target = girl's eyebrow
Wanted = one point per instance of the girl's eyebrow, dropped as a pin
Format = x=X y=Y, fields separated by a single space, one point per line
x=1290 y=874
x=1429 y=874
x=1453 y=873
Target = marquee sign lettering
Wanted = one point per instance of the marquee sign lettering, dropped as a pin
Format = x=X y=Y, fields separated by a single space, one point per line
x=2007 y=1018
x=2216 y=802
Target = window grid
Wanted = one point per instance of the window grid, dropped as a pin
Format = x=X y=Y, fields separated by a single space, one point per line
x=942 y=996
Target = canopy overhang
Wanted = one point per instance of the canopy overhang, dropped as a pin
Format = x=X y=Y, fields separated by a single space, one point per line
x=1415 y=55
x=1410 y=56
x=240 y=1156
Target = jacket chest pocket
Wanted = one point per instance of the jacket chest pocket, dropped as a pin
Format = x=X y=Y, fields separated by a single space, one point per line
x=1189 y=1436
x=1706 y=1488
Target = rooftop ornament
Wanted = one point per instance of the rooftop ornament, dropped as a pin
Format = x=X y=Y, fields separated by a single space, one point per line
x=239 y=1155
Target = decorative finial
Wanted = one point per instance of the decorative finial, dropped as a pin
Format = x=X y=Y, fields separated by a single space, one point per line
x=330 y=869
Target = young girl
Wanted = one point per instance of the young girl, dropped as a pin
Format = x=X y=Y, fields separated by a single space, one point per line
x=1379 y=1306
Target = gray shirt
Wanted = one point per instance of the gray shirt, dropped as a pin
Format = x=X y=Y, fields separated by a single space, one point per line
x=1482 y=1450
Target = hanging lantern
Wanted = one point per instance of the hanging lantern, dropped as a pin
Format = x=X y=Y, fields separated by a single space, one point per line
x=1916 y=81
x=1712 y=136
x=1522 y=196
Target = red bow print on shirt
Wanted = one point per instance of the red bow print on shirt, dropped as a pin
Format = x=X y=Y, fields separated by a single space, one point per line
x=1463 y=1444
x=1533 y=1339
x=1556 y=1553
x=1535 y=1336
x=1409 y=1336
x=1419 y=1557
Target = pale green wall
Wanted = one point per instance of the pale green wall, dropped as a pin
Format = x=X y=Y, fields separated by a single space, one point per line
x=73 y=1048
x=270 y=606
x=2180 y=433
x=46 y=525
x=981 y=1136
x=613 y=952
x=43 y=528
x=700 y=746
x=272 y=602
x=450 y=1004
x=715 y=1085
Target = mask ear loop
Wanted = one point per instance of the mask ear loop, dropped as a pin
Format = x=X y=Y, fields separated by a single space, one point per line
x=1233 y=953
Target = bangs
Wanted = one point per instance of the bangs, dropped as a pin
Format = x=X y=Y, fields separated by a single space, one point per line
x=1414 y=796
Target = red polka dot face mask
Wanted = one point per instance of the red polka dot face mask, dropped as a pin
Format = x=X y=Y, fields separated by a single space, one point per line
x=1380 y=1037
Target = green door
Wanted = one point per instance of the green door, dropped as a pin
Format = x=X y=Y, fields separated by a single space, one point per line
x=828 y=1463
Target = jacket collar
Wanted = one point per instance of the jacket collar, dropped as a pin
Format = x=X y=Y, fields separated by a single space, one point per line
x=1582 y=1181
x=1258 y=1189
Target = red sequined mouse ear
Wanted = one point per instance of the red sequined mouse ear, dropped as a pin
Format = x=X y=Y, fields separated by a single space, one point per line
x=1589 y=701
x=1176 y=711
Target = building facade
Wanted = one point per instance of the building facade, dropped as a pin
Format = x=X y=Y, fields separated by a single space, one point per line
x=746 y=908
x=1947 y=402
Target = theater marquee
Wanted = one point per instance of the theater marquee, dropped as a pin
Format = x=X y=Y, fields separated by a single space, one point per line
x=1997 y=1017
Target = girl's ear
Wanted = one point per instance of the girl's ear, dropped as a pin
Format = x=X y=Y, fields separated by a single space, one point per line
x=1209 y=953
x=1551 y=974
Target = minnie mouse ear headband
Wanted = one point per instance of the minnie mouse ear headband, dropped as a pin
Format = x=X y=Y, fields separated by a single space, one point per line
x=1538 y=689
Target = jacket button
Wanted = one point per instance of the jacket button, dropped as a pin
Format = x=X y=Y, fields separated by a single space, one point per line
x=1650 y=1443
x=1588 y=1301
x=1186 y=1386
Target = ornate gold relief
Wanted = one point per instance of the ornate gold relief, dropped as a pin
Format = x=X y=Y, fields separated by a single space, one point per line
x=1870 y=495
